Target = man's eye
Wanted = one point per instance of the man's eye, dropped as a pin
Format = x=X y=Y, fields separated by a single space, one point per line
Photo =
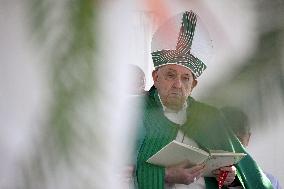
x=171 y=75
x=186 y=78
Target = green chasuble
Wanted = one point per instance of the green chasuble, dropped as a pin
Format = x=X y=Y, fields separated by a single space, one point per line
x=206 y=126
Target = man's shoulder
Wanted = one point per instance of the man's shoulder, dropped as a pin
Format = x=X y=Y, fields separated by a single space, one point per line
x=150 y=98
x=201 y=106
x=145 y=101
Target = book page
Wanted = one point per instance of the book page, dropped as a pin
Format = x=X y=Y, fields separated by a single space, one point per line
x=219 y=160
x=176 y=152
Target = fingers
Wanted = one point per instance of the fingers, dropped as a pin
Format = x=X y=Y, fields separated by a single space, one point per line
x=232 y=172
x=192 y=177
x=194 y=173
x=180 y=175
x=196 y=168
x=183 y=164
x=231 y=169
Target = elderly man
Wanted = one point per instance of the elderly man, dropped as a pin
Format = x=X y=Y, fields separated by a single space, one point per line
x=170 y=113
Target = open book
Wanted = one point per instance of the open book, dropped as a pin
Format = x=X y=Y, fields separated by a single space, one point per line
x=176 y=152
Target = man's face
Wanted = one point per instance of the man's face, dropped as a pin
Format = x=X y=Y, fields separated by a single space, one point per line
x=174 y=84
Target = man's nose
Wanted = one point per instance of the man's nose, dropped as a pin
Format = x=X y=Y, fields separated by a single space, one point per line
x=177 y=83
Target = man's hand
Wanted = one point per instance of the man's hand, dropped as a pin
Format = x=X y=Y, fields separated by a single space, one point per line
x=232 y=172
x=182 y=174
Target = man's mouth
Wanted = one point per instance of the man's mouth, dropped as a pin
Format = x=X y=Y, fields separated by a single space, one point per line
x=175 y=94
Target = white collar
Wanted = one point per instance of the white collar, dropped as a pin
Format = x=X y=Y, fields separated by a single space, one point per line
x=178 y=117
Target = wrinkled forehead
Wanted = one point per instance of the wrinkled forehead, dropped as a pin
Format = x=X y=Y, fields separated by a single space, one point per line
x=177 y=68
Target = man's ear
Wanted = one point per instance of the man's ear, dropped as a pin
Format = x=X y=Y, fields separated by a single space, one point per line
x=155 y=75
x=194 y=83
